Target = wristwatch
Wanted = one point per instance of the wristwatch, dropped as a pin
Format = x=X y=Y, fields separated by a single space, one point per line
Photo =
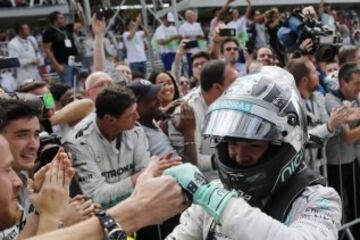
x=112 y=229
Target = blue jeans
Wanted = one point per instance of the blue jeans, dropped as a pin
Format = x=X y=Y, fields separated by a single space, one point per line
x=138 y=67
x=168 y=59
x=68 y=77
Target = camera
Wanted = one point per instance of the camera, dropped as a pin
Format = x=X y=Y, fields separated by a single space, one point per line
x=103 y=13
x=191 y=44
x=49 y=147
x=227 y=32
x=298 y=27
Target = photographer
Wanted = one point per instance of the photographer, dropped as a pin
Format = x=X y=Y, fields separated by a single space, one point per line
x=134 y=42
x=273 y=20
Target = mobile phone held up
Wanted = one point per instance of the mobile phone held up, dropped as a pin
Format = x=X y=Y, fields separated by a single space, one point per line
x=191 y=44
x=103 y=13
x=227 y=32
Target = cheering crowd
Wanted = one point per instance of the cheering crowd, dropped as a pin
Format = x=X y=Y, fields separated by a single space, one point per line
x=246 y=128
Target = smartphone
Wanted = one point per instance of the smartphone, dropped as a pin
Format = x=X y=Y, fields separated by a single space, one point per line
x=191 y=44
x=227 y=32
x=9 y=63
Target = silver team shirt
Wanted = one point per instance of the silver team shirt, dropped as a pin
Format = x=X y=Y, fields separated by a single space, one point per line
x=104 y=169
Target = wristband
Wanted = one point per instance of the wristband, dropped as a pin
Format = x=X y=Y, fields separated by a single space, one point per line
x=213 y=199
x=189 y=143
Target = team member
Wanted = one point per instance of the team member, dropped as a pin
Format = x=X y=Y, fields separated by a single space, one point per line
x=320 y=124
x=111 y=150
x=154 y=200
x=260 y=148
x=343 y=168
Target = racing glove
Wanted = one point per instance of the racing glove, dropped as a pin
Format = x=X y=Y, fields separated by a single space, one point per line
x=212 y=197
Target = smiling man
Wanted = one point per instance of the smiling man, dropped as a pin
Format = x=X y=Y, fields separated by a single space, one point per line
x=21 y=128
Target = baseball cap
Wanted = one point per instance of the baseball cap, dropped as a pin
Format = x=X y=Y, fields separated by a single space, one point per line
x=144 y=88
x=170 y=17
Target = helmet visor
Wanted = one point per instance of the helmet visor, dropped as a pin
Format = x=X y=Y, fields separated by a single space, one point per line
x=237 y=124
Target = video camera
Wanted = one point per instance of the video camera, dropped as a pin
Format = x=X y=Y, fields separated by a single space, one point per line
x=49 y=146
x=298 y=27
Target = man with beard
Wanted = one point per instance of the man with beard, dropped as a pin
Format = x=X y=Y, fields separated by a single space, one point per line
x=320 y=124
x=265 y=56
x=10 y=185
x=230 y=53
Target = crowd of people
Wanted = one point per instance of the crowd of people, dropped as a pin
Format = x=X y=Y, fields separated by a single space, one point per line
x=235 y=132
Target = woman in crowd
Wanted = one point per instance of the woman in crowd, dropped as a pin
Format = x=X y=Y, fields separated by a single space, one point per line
x=169 y=91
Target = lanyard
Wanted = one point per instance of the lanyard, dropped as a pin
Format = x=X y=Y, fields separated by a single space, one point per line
x=61 y=31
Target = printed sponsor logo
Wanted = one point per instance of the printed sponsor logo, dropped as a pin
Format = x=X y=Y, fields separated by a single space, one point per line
x=118 y=172
x=233 y=104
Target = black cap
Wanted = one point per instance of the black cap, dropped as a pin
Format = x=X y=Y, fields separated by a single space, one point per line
x=144 y=88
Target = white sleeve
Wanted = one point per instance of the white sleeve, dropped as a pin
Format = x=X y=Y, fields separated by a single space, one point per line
x=191 y=225
x=182 y=31
x=314 y=215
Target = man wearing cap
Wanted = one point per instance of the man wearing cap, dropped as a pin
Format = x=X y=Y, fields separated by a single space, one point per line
x=148 y=107
x=111 y=150
x=168 y=38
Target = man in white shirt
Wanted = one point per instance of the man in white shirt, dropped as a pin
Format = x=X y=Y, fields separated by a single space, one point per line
x=24 y=47
x=167 y=37
x=134 y=43
x=326 y=16
x=191 y=30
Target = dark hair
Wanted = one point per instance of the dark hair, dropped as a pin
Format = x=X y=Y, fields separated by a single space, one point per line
x=58 y=90
x=298 y=68
x=14 y=109
x=212 y=72
x=30 y=85
x=114 y=100
x=18 y=27
x=128 y=21
x=53 y=16
x=226 y=41
x=268 y=47
x=68 y=96
x=347 y=70
x=200 y=54
x=347 y=54
x=154 y=75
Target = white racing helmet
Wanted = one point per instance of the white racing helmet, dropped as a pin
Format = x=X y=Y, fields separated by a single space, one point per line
x=264 y=106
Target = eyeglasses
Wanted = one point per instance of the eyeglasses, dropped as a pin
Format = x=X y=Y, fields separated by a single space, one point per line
x=228 y=49
x=199 y=64
x=184 y=83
